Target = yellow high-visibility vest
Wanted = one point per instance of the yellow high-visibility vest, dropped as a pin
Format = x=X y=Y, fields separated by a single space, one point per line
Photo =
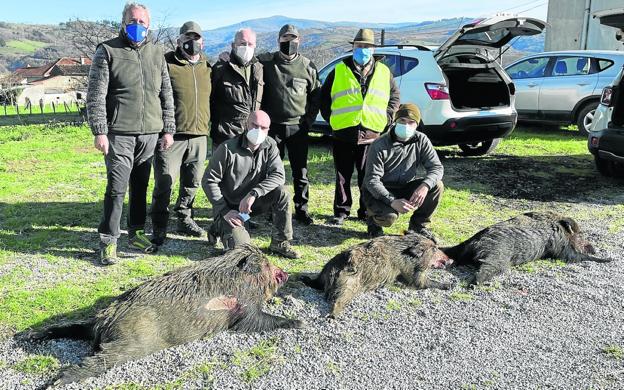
x=350 y=109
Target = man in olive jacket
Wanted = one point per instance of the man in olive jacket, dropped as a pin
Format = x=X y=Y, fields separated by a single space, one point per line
x=190 y=79
x=129 y=102
x=394 y=183
x=291 y=94
x=237 y=87
x=363 y=82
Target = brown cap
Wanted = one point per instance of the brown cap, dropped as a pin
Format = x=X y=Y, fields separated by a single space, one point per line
x=289 y=29
x=365 y=35
x=190 y=27
x=408 y=110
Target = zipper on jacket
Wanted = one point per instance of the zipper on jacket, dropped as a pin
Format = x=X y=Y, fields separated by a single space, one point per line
x=196 y=99
x=142 y=92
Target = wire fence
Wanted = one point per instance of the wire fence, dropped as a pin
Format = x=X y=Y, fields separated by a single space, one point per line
x=74 y=107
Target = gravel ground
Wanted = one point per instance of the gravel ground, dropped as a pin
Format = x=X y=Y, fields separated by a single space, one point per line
x=548 y=327
x=543 y=329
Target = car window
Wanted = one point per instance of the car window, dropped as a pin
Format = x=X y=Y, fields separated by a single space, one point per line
x=394 y=63
x=408 y=64
x=604 y=64
x=323 y=73
x=529 y=68
x=571 y=66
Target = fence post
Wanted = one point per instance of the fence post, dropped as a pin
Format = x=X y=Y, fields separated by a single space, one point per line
x=4 y=108
x=54 y=107
x=16 y=108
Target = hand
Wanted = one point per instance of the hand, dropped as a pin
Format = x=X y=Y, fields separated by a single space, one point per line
x=402 y=206
x=101 y=143
x=418 y=197
x=233 y=219
x=166 y=141
x=246 y=203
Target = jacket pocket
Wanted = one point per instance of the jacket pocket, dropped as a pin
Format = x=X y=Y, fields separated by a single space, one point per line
x=299 y=86
x=234 y=92
x=115 y=114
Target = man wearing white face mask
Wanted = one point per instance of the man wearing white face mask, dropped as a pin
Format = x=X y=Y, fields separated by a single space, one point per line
x=237 y=87
x=393 y=184
x=246 y=178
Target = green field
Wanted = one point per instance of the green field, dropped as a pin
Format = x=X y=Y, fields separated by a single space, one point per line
x=52 y=183
x=22 y=47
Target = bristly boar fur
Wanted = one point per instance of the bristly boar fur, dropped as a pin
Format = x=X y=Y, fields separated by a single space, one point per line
x=528 y=237
x=376 y=263
x=187 y=304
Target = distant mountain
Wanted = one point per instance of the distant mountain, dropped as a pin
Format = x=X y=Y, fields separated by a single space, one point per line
x=34 y=45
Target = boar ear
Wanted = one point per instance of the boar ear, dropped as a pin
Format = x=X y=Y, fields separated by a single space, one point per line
x=569 y=225
x=250 y=263
x=415 y=251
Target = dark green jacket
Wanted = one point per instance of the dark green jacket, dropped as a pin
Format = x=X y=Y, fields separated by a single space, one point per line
x=129 y=90
x=291 y=89
x=233 y=97
x=191 y=93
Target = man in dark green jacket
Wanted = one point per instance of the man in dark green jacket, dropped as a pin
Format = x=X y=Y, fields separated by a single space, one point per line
x=291 y=94
x=237 y=87
x=129 y=102
x=190 y=79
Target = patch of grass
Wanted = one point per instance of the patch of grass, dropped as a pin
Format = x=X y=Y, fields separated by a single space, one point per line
x=332 y=367
x=203 y=372
x=614 y=351
x=23 y=46
x=395 y=288
x=393 y=305
x=37 y=365
x=491 y=287
x=540 y=265
x=258 y=360
x=461 y=296
x=415 y=302
x=126 y=386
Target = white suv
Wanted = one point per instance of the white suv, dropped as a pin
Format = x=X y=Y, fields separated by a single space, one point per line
x=465 y=96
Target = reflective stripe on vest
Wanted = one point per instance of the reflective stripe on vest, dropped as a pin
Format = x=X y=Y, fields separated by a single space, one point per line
x=349 y=108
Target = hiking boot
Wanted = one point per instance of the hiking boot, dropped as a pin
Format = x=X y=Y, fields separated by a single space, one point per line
x=338 y=220
x=189 y=227
x=159 y=236
x=423 y=231
x=108 y=254
x=303 y=217
x=284 y=248
x=139 y=241
x=374 y=230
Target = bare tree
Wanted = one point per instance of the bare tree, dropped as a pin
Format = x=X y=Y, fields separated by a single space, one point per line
x=86 y=35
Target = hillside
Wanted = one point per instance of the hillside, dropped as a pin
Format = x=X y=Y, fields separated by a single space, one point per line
x=22 y=44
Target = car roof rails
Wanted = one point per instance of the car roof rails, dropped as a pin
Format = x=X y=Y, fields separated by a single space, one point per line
x=404 y=45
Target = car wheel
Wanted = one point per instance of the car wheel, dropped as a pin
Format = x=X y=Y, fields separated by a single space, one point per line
x=605 y=167
x=479 y=148
x=585 y=118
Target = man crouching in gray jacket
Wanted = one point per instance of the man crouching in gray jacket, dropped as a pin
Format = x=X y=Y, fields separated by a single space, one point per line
x=129 y=102
x=246 y=178
x=392 y=184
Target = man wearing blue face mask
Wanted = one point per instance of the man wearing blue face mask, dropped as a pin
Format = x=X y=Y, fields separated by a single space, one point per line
x=358 y=99
x=129 y=103
x=394 y=181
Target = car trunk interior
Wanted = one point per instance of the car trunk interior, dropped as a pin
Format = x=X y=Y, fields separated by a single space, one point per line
x=475 y=86
x=617 y=117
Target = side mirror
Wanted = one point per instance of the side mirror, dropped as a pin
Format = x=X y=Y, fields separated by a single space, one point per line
x=619 y=35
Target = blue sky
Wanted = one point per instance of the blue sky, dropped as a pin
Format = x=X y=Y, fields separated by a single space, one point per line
x=213 y=14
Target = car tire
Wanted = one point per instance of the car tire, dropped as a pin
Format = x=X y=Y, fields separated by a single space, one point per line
x=479 y=148
x=605 y=167
x=585 y=117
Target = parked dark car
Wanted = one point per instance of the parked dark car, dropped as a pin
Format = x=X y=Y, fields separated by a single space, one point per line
x=606 y=138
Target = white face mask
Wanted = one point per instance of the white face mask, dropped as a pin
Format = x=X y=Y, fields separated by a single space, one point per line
x=404 y=132
x=256 y=136
x=245 y=53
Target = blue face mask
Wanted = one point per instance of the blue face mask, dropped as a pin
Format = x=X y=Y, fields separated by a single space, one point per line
x=362 y=55
x=404 y=132
x=136 y=33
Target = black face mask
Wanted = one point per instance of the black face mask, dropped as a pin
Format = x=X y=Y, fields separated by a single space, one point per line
x=289 y=48
x=191 y=47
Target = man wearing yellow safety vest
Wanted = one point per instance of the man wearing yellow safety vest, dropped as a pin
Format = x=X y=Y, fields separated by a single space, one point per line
x=358 y=99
